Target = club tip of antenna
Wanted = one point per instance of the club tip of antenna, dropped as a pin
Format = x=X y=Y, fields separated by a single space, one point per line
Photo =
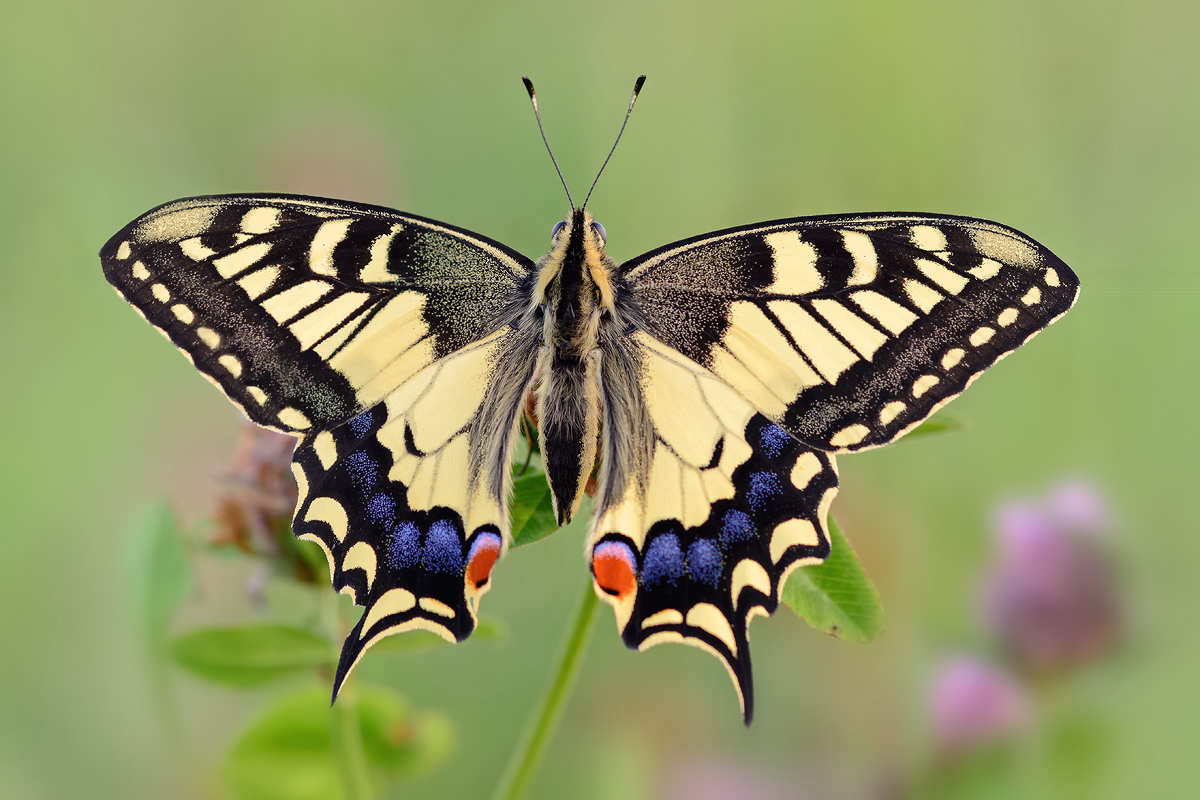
x=637 y=86
x=529 y=85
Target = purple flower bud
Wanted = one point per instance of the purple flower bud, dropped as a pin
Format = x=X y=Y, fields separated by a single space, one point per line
x=973 y=703
x=1025 y=533
x=1079 y=506
x=1051 y=596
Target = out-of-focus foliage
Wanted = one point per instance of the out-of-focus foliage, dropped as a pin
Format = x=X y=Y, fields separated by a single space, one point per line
x=250 y=655
x=160 y=577
x=288 y=753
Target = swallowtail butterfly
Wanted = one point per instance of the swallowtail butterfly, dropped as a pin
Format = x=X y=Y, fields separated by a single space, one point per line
x=711 y=383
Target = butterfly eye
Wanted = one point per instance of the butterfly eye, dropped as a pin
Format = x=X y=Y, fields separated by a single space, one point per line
x=599 y=229
x=558 y=226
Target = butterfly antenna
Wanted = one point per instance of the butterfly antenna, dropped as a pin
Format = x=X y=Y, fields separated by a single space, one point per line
x=533 y=98
x=637 y=87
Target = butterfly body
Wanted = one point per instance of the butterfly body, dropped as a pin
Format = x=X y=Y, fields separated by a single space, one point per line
x=574 y=295
x=710 y=383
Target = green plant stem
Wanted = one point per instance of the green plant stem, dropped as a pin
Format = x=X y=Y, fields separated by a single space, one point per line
x=540 y=728
x=345 y=731
x=346 y=735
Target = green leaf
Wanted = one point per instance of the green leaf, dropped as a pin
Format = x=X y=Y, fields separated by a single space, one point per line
x=161 y=574
x=532 y=509
x=836 y=597
x=287 y=753
x=405 y=742
x=250 y=655
x=418 y=641
x=938 y=423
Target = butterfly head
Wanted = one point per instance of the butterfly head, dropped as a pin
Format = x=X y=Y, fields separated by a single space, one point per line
x=561 y=225
x=575 y=279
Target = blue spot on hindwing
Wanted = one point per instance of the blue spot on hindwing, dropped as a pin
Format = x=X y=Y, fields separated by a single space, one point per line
x=704 y=562
x=360 y=426
x=763 y=486
x=381 y=510
x=736 y=527
x=443 y=548
x=663 y=561
x=404 y=549
x=362 y=470
x=773 y=439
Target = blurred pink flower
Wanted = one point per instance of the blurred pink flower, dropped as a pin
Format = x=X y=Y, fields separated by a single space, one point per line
x=974 y=703
x=1025 y=534
x=717 y=779
x=1079 y=506
x=1050 y=597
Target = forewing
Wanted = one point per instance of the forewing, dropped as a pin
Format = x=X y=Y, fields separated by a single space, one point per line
x=408 y=499
x=850 y=330
x=711 y=507
x=303 y=311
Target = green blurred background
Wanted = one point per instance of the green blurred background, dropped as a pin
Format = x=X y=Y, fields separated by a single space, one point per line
x=1073 y=121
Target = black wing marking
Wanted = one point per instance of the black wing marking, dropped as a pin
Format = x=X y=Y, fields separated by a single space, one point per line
x=304 y=311
x=851 y=330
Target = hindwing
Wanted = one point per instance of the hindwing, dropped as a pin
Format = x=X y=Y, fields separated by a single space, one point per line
x=850 y=330
x=409 y=498
x=715 y=505
x=306 y=312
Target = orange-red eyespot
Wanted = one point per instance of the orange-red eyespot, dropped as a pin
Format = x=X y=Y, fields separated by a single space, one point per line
x=482 y=557
x=615 y=568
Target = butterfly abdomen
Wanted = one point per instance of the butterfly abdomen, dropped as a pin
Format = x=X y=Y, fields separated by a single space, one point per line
x=568 y=422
